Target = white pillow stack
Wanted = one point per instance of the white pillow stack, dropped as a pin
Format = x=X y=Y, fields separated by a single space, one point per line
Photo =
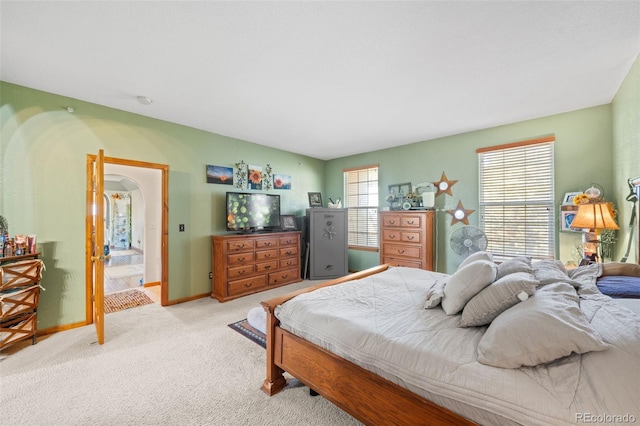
x=472 y=276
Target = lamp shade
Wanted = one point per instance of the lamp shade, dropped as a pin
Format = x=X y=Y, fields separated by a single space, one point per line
x=594 y=216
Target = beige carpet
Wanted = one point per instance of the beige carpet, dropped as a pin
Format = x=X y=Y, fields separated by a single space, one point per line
x=115 y=302
x=175 y=365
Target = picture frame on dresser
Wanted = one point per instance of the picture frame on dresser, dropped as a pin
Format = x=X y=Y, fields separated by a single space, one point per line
x=288 y=222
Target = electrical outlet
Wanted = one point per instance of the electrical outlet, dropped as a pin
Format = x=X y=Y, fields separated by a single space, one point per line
x=210 y=275
x=181 y=227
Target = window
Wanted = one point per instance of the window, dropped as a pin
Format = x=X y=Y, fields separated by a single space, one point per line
x=516 y=191
x=361 y=200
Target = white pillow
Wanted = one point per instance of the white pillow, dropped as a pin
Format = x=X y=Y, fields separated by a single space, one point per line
x=465 y=283
x=479 y=255
x=257 y=318
x=497 y=297
x=517 y=264
x=547 y=326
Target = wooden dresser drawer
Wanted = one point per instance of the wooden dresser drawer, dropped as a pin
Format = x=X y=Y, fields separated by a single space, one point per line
x=410 y=221
x=239 y=245
x=266 y=255
x=390 y=220
x=267 y=266
x=410 y=237
x=289 y=251
x=395 y=250
x=289 y=240
x=240 y=271
x=285 y=276
x=391 y=235
x=396 y=235
x=288 y=262
x=247 y=285
x=266 y=243
x=397 y=261
x=240 y=258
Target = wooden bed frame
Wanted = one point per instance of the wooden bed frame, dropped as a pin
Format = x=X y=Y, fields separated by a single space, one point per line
x=365 y=395
x=361 y=393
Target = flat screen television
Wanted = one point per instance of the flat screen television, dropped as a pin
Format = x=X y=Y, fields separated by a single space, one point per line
x=253 y=212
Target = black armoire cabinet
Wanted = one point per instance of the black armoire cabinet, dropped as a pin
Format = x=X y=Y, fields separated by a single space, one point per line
x=327 y=240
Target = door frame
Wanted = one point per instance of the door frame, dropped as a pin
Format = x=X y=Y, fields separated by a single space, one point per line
x=164 y=239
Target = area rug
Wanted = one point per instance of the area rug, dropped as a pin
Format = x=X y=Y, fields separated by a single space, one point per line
x=243 y=327
x=115 y=302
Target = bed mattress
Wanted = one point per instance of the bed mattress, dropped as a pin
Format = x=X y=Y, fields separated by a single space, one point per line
x=380 y=323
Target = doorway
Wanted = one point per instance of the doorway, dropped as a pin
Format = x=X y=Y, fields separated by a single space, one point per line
x=124 y=229
x=146 y=235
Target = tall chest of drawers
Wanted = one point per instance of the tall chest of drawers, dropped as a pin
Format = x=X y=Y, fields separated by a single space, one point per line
x=246 y=264
x=406 y=238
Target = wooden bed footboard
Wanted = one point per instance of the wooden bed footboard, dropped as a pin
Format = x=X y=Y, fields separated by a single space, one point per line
x=368 y=397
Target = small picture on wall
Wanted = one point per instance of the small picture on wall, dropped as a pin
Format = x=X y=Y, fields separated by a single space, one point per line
x=255 y=177
x=220 y=174
x=281 y=181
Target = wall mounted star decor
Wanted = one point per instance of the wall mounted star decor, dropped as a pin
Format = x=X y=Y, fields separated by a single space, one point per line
x=460 y=214
x=444 y=185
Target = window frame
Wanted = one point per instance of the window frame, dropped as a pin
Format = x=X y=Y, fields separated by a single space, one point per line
x=369 y=225
x=539 y=205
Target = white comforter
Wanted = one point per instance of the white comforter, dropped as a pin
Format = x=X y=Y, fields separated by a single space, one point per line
x=380 y=324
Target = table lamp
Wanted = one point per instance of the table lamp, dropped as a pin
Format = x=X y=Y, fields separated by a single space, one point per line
x=593 y=217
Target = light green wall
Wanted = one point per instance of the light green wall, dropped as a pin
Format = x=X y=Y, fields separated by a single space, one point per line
x=582 y=155
x=43 y=151
x=626 y=154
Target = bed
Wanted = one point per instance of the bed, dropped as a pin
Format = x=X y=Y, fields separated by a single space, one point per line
x=368 y=343
x=479 y=366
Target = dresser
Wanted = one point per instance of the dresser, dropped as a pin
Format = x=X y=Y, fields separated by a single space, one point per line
x=249 y=263
x=406 y=238
x=19 y=295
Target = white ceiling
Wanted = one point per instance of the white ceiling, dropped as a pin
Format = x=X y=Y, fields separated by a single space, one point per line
x=325 y=79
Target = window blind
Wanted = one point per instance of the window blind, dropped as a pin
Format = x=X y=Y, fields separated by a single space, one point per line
x=516 y=194
x=361 y=200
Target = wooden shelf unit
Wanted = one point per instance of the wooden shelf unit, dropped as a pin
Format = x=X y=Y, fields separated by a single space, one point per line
x=406 y=238
x=244 y=264
x=19 y=297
